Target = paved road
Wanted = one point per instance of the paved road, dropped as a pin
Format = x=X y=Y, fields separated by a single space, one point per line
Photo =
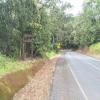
x=77 y=77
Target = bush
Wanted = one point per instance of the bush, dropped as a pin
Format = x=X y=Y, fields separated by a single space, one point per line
x=3 y=60
x=95 y=48
x=50 y=54
x=42 y=43
x=57 y=46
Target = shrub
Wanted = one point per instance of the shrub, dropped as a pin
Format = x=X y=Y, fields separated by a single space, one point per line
x=95 y=48
x=3 y=60
x=50 y=54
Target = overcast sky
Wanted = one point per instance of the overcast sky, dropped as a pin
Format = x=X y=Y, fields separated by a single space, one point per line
x=77 y=6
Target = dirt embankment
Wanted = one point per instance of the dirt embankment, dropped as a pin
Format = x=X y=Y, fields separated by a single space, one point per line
x=88 y=52
x=13 y=82
x=39 y=87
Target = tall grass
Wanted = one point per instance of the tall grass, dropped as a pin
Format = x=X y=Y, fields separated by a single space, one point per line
x=23 y=72
x=8 y=65
x=95 y=48
x=4 y=60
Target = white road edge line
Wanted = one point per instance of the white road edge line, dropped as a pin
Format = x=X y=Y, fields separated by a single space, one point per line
x=84 y=94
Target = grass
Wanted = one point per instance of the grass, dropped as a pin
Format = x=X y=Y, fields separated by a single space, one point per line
x=8 y=65
x=95 y=48
x=15 y=74
x=50 y=54
x=13 y=82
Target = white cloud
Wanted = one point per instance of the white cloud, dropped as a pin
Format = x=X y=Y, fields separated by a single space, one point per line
x=77 y=6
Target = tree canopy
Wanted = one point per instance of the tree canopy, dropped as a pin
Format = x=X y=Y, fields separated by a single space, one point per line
x=49 y=23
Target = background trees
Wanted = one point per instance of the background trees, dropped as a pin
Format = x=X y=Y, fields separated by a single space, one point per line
x=43 y=19
x=49 y=23
x=84 y=29
x=15 y=20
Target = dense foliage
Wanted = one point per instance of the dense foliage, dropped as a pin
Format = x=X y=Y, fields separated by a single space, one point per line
x=43 y=19
x=48 y=22
x=95 y=48
x=84 y=29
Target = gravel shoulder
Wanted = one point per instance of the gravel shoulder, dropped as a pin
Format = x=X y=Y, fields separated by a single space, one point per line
x=39 y=87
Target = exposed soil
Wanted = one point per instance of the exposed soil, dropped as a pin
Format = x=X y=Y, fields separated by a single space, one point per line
x=13 y=82
x=39 y=87
x=86 y=51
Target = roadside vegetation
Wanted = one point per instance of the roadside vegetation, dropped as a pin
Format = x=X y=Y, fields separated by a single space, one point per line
x=50 y=54
x=12 y=82
x=95 y=48
x=51 y=28
x=49 y=25
x=8 y=65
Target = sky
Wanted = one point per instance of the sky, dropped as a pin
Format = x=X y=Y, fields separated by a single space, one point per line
x=77 y=6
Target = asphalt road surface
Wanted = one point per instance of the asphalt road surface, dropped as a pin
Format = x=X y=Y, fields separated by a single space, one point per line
x=76 y=77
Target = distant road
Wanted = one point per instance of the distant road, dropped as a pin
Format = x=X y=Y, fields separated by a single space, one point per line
x=77 y=77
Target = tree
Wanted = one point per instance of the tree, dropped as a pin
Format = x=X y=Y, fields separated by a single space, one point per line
x=16 y=16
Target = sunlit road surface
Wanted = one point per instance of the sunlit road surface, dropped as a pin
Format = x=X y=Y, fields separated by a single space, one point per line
x=76 y=77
